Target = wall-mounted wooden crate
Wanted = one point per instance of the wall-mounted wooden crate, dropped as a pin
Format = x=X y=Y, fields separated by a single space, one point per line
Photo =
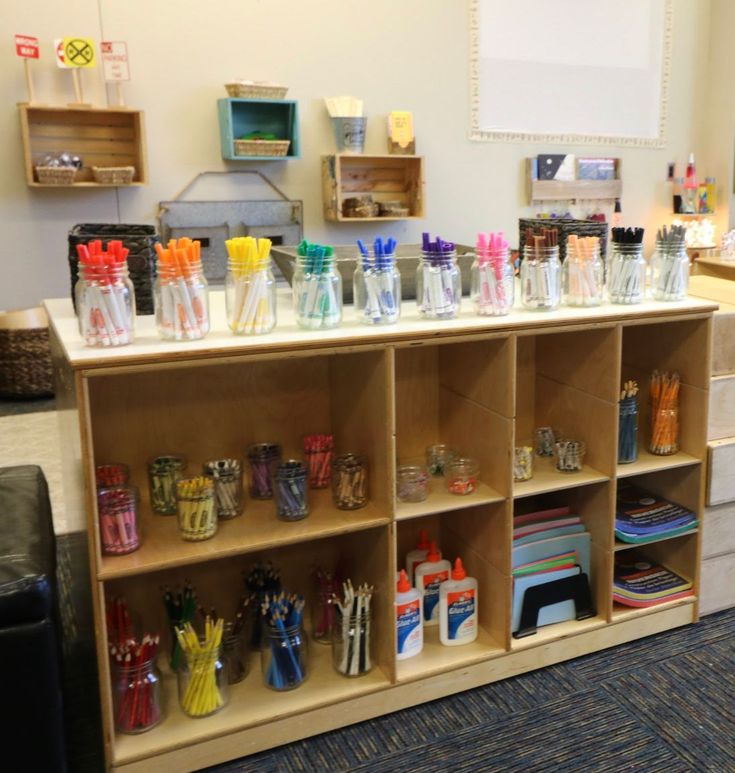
x=572 y=190
x=385 y=178
x=238 y=117
x=110 y=137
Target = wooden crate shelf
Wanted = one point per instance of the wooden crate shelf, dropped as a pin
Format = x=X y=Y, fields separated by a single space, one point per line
x=480 y=386
x=572 y=190
x=100 y=137
x=385 y=178
x=238 y=117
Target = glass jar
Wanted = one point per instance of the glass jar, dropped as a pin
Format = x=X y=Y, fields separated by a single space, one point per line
x=137 y=697
x=569 y=455
x=163 y=474
x=628 y=430
x=522 y=463
x=540 y=278
x=545 y=439
x=283 y=657
x=227 y=477
x=349 y=481
x=105 y=301
x=438 y=285
x=664 y=431
x=323 y=610
x=118 y=518
x=352 y=644
x=113 y=474
x=582 y=276
x=261 y=457
x=181 y=300
x=289 y=478
x=250 y=296
x=317 y=293
x=461 y=474
x=318 y=452
x=235 y=653
x=197 y=513
x=438 y=457
x=378 y=293
x=492 y=285
x=670 y=272
x=203 y=680
x=412 y=482
x=626 y=275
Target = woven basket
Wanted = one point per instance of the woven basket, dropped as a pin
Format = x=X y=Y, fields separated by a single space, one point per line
x=255 y=91
x=566 y=227
x=56 y=175
x=25 y=355
x=261 y=147
x=113 y=175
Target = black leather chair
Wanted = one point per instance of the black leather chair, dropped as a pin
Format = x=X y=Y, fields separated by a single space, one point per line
x=31 y=722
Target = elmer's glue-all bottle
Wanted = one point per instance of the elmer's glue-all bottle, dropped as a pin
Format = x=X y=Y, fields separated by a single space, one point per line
x=417 y=555
x=458 y=608
x=429 y=577
x=409 y=620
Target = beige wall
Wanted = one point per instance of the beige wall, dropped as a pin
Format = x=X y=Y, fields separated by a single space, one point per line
x=411 y=54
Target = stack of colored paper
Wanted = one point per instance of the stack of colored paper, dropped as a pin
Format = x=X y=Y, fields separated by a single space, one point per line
x=642 y=583
x=643 y=517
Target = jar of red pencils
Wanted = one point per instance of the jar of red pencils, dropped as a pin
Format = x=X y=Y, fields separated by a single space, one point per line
x=582 y=272
x=439 y=285
x=105 y=300
x=118 y=516
x=262 y=456
x=670 y=265
x=181 y=292
x=349 y=481
x=163 y=474
x=626 y=277
x=137 y=696
x=227 y=477
x=492 y=283
x=250 y=293
x=289 y=480
x=197 y=513
x=283 y=656
x=461 y=475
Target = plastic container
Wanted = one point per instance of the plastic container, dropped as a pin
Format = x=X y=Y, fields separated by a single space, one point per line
x=582 y=277
x=438 y=456
x=669 y=272
x=105 y=302
x=250 y=297
x=117 y=507
x=628 y=430
x=261 y=457
x=409 y=619
x=412 y=482
x=541 y=278
x=163 y=474
x=458 y=608
x=289 y=480
x=378 y=293
x=461 y=475
x=203 y=684
x=349 y=481
x=438 y=285
x=137 y=697
x=227 y=477
x=181 y=302
x=418 y=555
x=429 y=576
x=626 y=274
x=283 y=657
x=492 y=286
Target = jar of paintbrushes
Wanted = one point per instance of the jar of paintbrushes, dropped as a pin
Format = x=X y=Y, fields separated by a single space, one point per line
x=541 y=270
x=377 y=284
x=352 y=643
x=626 y=280
x=349 y=481
x=196 y=509
x=582 y=272
x=438 y=280
x=628 y=423
x=317 y=288
x=664 y=395
x=492 y=283
x=670 y=265
x=250 y=288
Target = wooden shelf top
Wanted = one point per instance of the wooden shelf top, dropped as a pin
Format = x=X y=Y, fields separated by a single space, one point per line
x=620 y=545
x=648 y=462
x=257 y=529
x=441 y=501
x=86 y=185
x=621 y=612
x=547 y=478
x=549 y=633
x=221 y=343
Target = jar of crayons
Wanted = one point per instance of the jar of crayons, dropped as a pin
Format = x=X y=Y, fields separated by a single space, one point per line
x=349 y=481
x=492 y=282
x=118 y=518
x=197 y=513
x=317 y=288
x=582 y=272
x=262 y=457
x=104 y=294
x=227 y=477
x=180 y=292
x=438 y=280
x=628 y=423
x=318 y=450
x=203 y=677
x=626 y=277
x=289 y=478
x=670 y=265
x=250 y=288
x=112 y=474
x=541 y=271
x=377 y=284
x=136 y=687
x=163 y=474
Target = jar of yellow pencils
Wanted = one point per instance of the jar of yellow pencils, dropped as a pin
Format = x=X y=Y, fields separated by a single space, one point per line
x=541 y=271
x=163 y=474
x=203 y=675
x=180 y=292
x=250 y=289
x=227 y=477
x=349 y=481
x=197 y=513
x=582 y=272
x=664 y=394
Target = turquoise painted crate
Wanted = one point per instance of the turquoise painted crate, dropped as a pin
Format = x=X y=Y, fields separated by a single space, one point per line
x=238 y=117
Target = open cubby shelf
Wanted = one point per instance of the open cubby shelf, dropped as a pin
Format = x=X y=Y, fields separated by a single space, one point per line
x=238 y=117
x=389 y=397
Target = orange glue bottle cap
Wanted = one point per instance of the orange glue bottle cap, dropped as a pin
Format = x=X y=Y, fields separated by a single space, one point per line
x=423 y=543
x=434 y=555
x=403 y=585
x=458 y=573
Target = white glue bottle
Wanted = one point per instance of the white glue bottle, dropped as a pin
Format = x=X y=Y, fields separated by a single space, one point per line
x=409 y=623
x=429 y=577
x=458 y=608
x=417 y=555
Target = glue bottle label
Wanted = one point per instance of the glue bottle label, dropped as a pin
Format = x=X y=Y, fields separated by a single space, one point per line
x=461 y=617
x=408 y=625
x=431 y=592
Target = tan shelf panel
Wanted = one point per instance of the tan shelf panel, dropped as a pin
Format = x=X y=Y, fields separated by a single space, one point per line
x=86 y=185
x=435 y=658
x=257 y=529
x=648 y=462
x=547 y=478
x=620 y=545
x=441 y=501
x=549 y=633
x=620 y=612
x=251 y=704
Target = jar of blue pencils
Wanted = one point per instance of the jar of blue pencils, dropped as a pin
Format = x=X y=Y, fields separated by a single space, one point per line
x=377 y=284
x=670 y=265
x=283 y=656
x=261 y=457
x=541 y=275
x=628 y=423
x=163 y=474
x=289 y=477
x=438 y=280
x=626 y=277
x=317 y=288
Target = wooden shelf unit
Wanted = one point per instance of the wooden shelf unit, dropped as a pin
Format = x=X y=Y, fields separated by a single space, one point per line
x=385 y=178
x=99 y=136
x=572 y=190
x=481 y=389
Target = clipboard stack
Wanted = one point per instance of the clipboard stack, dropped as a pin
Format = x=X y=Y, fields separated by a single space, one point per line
x=639 y=582
x=551 y=566
x=642 y=517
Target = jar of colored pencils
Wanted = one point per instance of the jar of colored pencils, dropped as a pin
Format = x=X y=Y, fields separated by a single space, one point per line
x=118 y=518
x=670 y=265
x=664 y=393
x=227 y=477
x=163 y=474
x=582 y=272
x=628 y=424
x=541 y=276
x=250 y=289
x=203 y=680
x=439 y=284
x=289 y=478
x=197 y=513
x=261 y=457
x=235 y=651
x=113 y=474
x=318 y=451
x=283 y=658
x=412 y=483
x=349 y=481
x=626 y=273
x=462 y=475
x=137 y=695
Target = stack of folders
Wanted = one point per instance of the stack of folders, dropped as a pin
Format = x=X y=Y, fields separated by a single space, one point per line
x=639 y=582
x=548 y=545
x=643 y=517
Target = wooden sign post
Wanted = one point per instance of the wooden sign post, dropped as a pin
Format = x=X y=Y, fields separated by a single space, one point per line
x=115 y=65
x=76 y=54
x=27 y=48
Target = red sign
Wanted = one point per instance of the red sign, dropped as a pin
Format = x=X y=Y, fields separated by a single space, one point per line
x=26 y=46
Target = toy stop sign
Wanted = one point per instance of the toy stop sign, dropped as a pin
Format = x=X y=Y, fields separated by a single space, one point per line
x=26 y=46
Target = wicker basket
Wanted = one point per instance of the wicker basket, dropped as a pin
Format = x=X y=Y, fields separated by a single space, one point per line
x=255 y=91
x=567 y=227
x=261 y=147
x=25 y=356
x=113 y=175
x=56 y=175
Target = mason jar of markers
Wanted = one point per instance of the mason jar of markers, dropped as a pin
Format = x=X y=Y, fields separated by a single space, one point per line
x=250 y=287
x=438 y=280
x=492 y=280
x=626 y=267
x=541 y=276
x=227 y=477
x=670 y=265
x=117 y=507
x=582 y=272
x=196 y=509
x=289 y=481
x=349 y=481
x=317 y=289
x=163 y=474
x=377 y=285
x=261 y=457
